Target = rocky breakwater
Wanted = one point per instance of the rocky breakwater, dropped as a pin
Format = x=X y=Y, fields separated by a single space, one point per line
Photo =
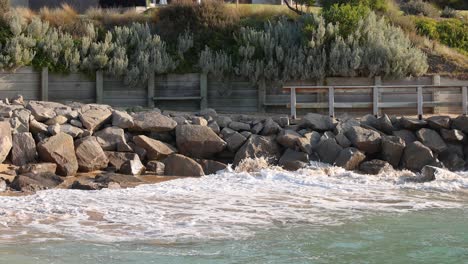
x=52 y=145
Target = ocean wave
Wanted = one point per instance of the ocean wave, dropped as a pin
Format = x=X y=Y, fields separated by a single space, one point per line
x=228 y=205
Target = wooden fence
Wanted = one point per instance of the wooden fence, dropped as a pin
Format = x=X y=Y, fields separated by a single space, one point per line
x=190 y=92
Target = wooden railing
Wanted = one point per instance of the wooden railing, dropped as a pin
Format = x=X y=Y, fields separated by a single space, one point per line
x=376 y=105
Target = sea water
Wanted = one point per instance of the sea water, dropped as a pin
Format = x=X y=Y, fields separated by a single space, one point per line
x=320 y=214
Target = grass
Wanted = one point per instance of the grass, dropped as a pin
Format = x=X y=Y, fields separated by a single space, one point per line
x=265 y=11
x=112 y=17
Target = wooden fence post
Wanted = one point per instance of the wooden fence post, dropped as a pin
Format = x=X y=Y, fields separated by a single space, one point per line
x=99 y=87
x=377 y=95
x=331 y=101
x=436 y=94
x=261 y=96
x=45 y=84
x=464 y=100
x=203 y=91
x=150 y=92
x=420 y=102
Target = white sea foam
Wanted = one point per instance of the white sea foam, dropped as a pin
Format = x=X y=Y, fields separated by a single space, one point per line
x=226 y=205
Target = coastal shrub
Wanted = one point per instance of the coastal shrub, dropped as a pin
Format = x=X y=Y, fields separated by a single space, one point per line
x=451 y=32
x=456 y=4
x=448 y=12
x=378 y=5
x=218 y=64
x=110 y=17
x=419 y=7
x=347 y=16
x=4 y=6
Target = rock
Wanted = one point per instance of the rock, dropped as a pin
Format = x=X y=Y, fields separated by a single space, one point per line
x=288 y=138
x=76 y=123
x=17 y=100
x=38 y=168
x=328 y=150
x=132 y=167
x=256 y=129
x=239 y=126
x=208 y=112
x=416 y=156
x=90 y=155
x=327 y=135
x=438 y=122
x=110 y=138
x=122 y=119
x=428 y=174
x=350 y=158
x=211 y=166
x=342 y=140
x=375 y=167
x=197 y=120
x=20 y=120
x=412 y=124
x=452 y=135
x=235 y=141
x=370 y=120
x=223 y=121
x=317 y=122
x=57 y=120
x=392 y=149
x=431 y=139
x=73 y=131
x=180 y=120
x=461 y=123
x=86 y=186
x=343 y=126
x=452 y=161
x=36 y=127
x=163 y=136
x=406 y=135
x=198 y=141
x=24 y=149
x=155 y=149
x=282 y=121
x=309 y=142
x=293 y=160
x=180 y=165
x=364 y=139
x=227 y=132
x=155 y=166
x=6 y=141
x=258 y=147
x=53 y=129
x=246 y=134
x=35 y=182
x=385 y=124
x=117 y=159
x=43 y=111
x=270 y=127
x=121 y=179
x=214 y=126
x=60 y=150
x=3 y=185
x=153 y=122
x=94 y=116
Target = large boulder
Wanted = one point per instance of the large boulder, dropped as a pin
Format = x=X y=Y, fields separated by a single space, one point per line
x=94 y=116
x=122 y=119
x=117 y=159
x=385 y=124
x=198 y=141
x=153 y=122
x=452 y=161
x=412 y=124
x=20 y=120
x=258 y=147
x=452 y=135
x=375 y=167
x=461 y=123
x=270 y=127
x=328 y=150
x=308 y=142
x=60 y=150
x=293 y=160
x=288 y=138
x=132 y=167
x=211 y=166
x=43 y=111
x=364 y=139
x=90 y=155
x=431 y=139
x=73 y=131
x=6 y=142
x=416 y=155
x=239 y=126
x=38 y=168
x=407 y=135
x=317 y=122
x=344 y=125
x=155 y=166
x=155 y=149
x=24 y=149
x=350 y=158
x=32 y=182
x=392 y=149
x=235 y=141
x=110 y=138
x=37 y=127
x=438 y=122
x=180 y=165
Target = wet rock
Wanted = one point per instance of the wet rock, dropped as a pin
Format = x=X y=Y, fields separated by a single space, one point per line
x=438 y=122
x=3 y=185
x=90 y=155
x=270 y=127
x=180 y=165
x=453 y=135
x=6 y=141
x=94 y=116
x=293 y=160
x=460 y=123
x=60 y=150
x=153 y=122
x=212 y=166
x=317 y=122
x=364 y=139
x=122 y=119
x=86 y=186
x=288 y=138
x=452 y=161
x=31 y=182
x=431 y=139
x=375 y=167
x=428 y=174
x=116 y=159
x=110 y=138
x=412 y=124
x=123 y=180
x=198 y=141
x=239 y=126
x=328 y=150
x=155 y=149
x=156 y=167
x=392 y=149
x=407 y=135
x=257 y=147
x=132 y=167
x=24 y=149
x=350 y=158
x=309 y=142
x=235 y=141
x=416 y=155
x=38 y=168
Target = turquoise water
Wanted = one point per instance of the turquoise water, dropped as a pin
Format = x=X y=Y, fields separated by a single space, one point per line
x=318 y=215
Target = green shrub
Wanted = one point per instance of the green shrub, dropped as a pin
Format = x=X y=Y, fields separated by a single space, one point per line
x=419 y=7
x=427 y=27
x=449 y=12
x=378 y=5
x=453 y=33
x=347 y=16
